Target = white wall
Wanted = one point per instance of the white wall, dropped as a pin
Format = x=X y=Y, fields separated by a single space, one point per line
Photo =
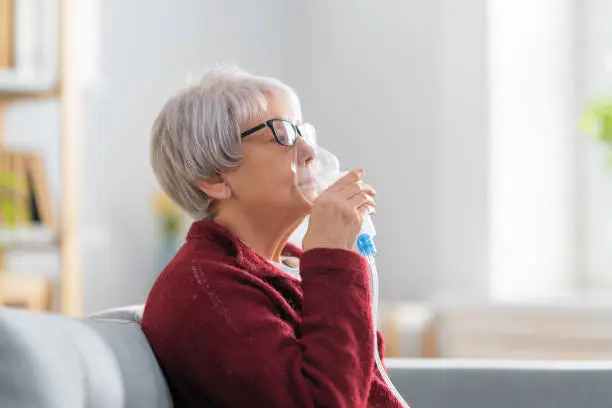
x=366 y=79
x=461 y=118
x=401 y=90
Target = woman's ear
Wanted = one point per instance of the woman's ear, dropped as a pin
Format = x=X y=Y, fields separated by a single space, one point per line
x=216 y=187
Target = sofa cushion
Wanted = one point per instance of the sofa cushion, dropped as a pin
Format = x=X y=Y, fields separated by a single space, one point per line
x=52 y=361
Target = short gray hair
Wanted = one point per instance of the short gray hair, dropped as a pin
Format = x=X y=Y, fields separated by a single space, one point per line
x=197 y=132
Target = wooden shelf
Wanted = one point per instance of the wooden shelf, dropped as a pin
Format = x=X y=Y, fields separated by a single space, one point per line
x=7 y=52
x=68 y=94
x=8 y=97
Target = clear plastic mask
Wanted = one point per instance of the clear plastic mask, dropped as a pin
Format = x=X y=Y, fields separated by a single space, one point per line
x=316 y=169
x=312 y=177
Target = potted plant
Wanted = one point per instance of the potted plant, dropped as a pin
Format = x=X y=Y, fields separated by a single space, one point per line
x=597 y=121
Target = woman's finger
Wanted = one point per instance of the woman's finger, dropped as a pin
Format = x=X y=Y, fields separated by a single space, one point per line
x=352 y=176
x=361 y=199
x=350 y=190
x=366 y=208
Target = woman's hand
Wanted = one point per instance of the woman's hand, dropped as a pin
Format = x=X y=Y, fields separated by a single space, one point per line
x=336 y=216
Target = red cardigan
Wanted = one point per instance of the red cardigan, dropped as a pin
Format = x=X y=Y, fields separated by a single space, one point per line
x=231 y=330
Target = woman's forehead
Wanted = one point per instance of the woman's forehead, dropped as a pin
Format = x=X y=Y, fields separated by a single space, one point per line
x=281 y=106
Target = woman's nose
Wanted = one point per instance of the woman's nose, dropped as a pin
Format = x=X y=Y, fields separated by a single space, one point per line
x=305 y=152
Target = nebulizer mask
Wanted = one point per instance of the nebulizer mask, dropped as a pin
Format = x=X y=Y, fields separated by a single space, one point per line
x=315 y=176
x=315 y=170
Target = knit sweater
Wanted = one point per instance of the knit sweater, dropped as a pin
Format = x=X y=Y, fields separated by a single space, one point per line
x=231 y=330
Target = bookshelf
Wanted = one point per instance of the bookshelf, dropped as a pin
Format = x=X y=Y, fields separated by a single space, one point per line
x=61 y=85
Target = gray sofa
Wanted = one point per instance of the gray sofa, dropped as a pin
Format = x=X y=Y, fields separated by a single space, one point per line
x=105 y=361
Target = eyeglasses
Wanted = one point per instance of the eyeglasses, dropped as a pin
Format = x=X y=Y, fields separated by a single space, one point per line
x=285 y=132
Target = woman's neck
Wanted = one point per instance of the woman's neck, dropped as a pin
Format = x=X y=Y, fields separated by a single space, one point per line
x=265 y=235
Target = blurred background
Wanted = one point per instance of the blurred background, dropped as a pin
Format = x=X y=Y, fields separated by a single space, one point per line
x=484 y=125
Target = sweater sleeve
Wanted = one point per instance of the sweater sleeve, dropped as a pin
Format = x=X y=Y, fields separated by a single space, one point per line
x=239 y=352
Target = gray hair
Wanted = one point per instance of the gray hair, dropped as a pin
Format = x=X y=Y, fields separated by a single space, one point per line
x=197 y=132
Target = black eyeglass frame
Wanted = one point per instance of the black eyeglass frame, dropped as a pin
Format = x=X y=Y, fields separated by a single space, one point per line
x=270 y=123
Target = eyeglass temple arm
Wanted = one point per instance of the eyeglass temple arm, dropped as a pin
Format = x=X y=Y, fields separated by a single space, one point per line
x=253 y=130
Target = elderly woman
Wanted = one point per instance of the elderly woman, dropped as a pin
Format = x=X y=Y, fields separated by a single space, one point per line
x=233 y=319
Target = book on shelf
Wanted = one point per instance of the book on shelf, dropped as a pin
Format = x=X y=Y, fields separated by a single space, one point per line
x=24 y=191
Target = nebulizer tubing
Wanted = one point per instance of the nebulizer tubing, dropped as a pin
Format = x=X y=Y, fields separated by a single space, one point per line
x=365 y=245
x=312 y=179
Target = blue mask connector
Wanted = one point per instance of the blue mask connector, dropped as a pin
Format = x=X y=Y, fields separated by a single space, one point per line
x=365 y=245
